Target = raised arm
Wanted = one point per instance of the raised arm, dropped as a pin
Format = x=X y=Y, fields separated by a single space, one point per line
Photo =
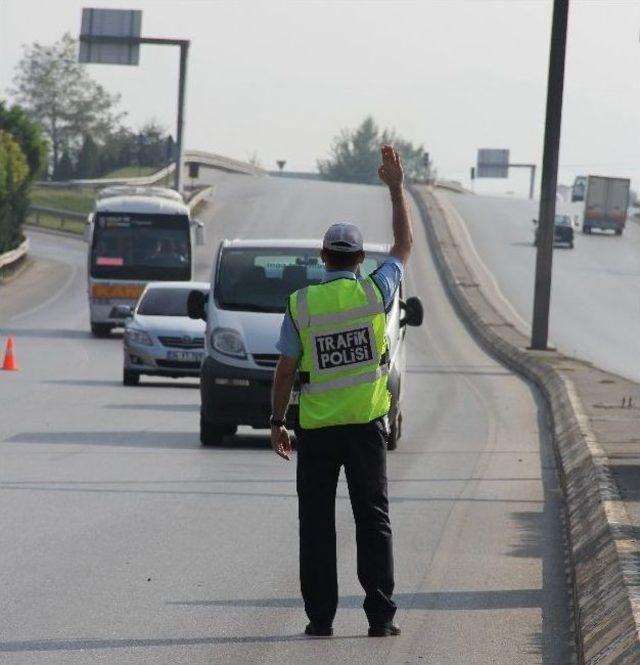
x=392 y=175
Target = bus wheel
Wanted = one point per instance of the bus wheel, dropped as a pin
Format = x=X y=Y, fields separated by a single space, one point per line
x=101 y=329
x=130 y=378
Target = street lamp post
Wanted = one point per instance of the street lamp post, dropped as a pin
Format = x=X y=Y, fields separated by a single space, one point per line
x=544 y=256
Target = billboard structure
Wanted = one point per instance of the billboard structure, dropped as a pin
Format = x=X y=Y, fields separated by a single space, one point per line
x=122 y=24
x=112 y=37
x=494 y=163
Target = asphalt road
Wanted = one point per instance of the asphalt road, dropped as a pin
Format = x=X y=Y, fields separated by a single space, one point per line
x=124 y=542
x=595 y=302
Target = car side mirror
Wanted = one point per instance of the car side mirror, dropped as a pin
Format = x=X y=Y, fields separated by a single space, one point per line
x=200 y=233
x=413 y=312
x=122 y=311
x=196 y=301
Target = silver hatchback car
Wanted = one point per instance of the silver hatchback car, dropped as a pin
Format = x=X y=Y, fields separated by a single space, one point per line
x=159 y=338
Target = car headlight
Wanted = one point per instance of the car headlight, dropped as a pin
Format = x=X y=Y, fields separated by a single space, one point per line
x=138 y=336
x=229 y=342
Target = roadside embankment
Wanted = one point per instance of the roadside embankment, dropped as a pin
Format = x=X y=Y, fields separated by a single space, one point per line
x=595 y=420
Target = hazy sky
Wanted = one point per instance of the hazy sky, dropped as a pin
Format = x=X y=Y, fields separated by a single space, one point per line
x=279 y=78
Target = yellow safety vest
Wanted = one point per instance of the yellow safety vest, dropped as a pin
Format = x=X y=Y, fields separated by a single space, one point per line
x=344 y=364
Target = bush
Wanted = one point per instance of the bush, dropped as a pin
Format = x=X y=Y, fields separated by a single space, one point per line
x=14 y=174
x=23 y=156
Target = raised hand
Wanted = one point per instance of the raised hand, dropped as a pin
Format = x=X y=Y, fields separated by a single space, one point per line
x=390 y=171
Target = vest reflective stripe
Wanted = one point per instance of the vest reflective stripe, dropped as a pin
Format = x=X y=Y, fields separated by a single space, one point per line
x=302 y=304
x=372 y=307
x=345 y=382
x=342 y=328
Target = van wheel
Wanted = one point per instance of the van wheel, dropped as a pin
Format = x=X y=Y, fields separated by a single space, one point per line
x=586 y=230
x=101 y=329
x=618 y=232
x=130 y=378
x=213 y=435
x=395 y=432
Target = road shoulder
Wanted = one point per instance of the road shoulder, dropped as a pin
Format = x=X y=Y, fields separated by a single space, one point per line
x=33 y=285
x=595 y=423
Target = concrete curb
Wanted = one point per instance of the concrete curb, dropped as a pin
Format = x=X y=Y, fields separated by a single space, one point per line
x=604 y=553
x=11 y=262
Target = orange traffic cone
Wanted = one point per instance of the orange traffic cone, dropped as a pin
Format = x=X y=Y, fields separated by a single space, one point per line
x=10 y=363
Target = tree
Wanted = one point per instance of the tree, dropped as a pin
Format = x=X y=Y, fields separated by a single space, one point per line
x=23 y=155
x=14 y=172
x=152 y=146
x=64 y=169
x=56 y=91
x=355 y=155
x=88 y=164
x=15 y=121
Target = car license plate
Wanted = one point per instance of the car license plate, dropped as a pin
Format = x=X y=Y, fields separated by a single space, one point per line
x=185 y=356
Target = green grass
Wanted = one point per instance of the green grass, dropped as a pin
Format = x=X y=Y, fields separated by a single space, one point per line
x=131 y=172
x=50 y=222
x=73 y=199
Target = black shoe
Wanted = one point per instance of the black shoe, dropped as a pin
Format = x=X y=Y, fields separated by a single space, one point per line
x=318 y=631
x=387 y=629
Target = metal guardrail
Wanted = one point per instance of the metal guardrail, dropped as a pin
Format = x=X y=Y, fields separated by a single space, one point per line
x=204 y=159
x=213 y=161
x=199 y=196
x=106 y=182
x=36 y=212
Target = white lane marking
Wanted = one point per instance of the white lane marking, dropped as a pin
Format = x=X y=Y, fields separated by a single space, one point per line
x=467 y=241
x=51 y=299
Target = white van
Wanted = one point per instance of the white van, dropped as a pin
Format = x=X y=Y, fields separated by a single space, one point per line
x=250 y=286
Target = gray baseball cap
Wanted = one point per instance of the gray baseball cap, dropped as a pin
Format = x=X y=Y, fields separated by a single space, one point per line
x=343 y=237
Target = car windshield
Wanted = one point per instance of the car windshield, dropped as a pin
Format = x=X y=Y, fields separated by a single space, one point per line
x=165 y=302
x=563 y=220
x=261 y=279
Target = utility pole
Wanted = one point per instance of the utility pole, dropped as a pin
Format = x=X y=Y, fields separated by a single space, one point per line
x=544 y=256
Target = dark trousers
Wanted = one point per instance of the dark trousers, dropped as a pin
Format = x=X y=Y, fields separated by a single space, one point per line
x=361 y=449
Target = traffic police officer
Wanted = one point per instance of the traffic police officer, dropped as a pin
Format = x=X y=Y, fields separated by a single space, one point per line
x=333 y=337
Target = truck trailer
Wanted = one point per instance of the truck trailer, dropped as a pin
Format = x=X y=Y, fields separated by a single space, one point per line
x=606 y=204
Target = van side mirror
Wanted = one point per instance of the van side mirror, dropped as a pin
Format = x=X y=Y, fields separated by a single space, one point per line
x=413 y=312
x=196 y=301
x=200 y=233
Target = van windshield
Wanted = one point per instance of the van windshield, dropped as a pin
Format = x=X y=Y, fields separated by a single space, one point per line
x=261 y=279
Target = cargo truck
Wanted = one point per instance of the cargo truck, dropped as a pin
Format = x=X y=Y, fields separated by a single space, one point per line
x=606 y=204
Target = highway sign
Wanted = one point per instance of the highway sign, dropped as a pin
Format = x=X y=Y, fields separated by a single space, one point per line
x=122 y=24
x=492 y=163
